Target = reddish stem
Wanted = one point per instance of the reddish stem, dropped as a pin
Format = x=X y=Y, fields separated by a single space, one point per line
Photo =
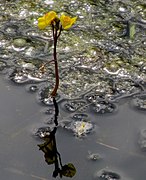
x=55 y=37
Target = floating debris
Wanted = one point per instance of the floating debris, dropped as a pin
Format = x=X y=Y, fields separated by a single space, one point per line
x=104 y=107
x=3 y=65
x=80 y=128
x=140 y=102
x=93 y=156
x=19 y=42
x=49 y=111
x=126 y=87
x=28 y=66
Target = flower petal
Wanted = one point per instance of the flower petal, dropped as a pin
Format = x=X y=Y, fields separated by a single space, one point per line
x=50 y=16
x=42 y=25
x=67 y=22
x=46 y=20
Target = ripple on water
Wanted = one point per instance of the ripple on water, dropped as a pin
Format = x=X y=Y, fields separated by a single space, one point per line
x=142 y=139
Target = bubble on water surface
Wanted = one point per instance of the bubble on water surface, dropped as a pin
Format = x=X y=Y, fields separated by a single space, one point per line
x=19 y=77
x=107 y=175
x=104 y=107
x=49 y=2
x=42 y=132
x=45 y=96
x=93 y=156
x=32 y=88
x=73 y=106
x=95 y=97
x=11 y=29
x=23 y=75
x=30 y=51
x=79 y=116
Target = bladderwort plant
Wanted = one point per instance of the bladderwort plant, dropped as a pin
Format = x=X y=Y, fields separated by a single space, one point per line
x=49 y=147
x=58 y=24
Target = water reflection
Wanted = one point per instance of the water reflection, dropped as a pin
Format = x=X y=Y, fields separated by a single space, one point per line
x=51 y=154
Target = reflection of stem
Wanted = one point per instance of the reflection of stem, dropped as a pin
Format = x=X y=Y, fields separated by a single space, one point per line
x=51 y=154
x=56 y=152
x=56 y=111
x=60 y=159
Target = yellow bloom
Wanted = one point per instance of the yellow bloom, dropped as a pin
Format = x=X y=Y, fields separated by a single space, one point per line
x=66 y=21
x=47 y=19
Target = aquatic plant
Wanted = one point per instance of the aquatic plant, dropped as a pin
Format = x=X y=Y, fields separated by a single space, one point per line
x=58 y=24
x=49 y=147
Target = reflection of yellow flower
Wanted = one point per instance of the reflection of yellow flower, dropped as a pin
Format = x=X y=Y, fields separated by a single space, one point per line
x=46 y=20
x=67 y=22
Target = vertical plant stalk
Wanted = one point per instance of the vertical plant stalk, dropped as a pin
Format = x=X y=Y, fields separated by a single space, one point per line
x=55 y=38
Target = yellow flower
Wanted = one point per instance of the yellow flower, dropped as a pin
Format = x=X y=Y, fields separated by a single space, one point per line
x=66 y=21
x=47 y=19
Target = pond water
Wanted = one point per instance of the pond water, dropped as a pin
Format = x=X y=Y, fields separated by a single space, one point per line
x=101 y=128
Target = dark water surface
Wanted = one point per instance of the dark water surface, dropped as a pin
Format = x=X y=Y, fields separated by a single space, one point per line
x=101 y=98
x=114 y=141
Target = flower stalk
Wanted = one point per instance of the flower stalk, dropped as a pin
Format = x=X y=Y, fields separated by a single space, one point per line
x=58 y=24
x=55 y=38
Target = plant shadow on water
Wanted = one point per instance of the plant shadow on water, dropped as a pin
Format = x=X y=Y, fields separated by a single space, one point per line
x=51 y=154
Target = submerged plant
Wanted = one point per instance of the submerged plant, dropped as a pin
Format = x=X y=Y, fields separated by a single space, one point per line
x=58 y=24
